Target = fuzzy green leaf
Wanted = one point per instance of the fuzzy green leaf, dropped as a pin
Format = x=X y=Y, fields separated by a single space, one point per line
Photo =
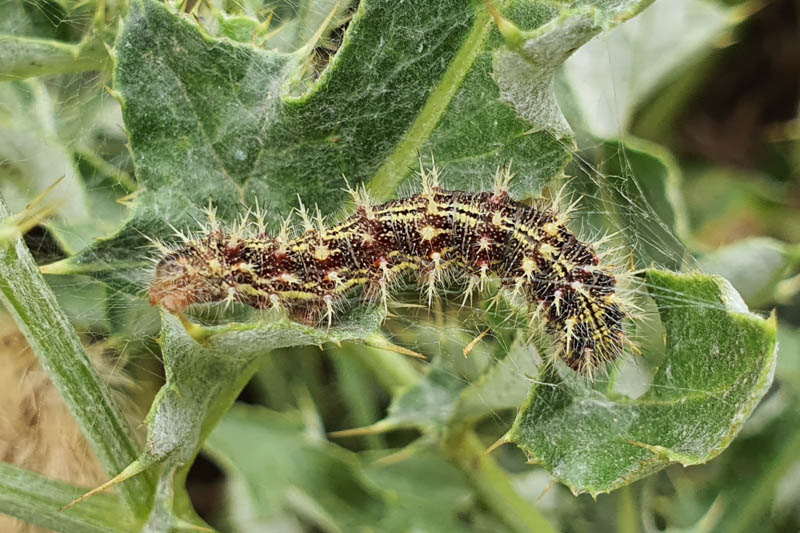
x=211 y=120
x=203 y=379
x=720 y=361
x=201 y=374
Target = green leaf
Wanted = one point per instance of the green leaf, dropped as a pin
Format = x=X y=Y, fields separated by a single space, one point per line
x=29 y=300
x=428 y=404
x=754 y=266
x=312 y=479
x=214 y=120
x=770 y=458
x=423 y=492
x=456 y=389
x=36 y=156
x=601 y=88
x=203 y=376
x=36 y=499
x=720 y=362
x=53 y=37
x=25 y=57
x=19 y=18
x=203 y=379
x=292 y=472
x=611 y=76
x=505 y=385
x=443 y=397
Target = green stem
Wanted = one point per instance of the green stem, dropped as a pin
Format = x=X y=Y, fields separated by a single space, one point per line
x=27 y=297
x=357 y=390
x=182 y=504
x=627 y=517
x=493 y=485
x=36 y=499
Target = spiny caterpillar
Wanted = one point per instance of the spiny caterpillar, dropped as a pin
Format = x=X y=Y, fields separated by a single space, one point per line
x=435 y=234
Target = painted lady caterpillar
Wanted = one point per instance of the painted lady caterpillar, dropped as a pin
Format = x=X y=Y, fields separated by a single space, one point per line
x=434 y=234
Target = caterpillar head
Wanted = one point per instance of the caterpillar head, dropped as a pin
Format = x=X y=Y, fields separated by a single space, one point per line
x=197 y=273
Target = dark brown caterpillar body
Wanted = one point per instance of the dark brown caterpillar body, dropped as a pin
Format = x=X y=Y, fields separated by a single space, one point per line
x=433 y=234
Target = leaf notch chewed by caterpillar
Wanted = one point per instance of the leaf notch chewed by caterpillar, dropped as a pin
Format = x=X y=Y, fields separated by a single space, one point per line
x=436 y=234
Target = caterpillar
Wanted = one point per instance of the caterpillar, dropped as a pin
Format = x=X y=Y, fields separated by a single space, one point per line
x=436 y=234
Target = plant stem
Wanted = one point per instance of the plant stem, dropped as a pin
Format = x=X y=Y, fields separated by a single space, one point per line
x=627 y=517
x=27 y=297
x=36 y=499
x=493 y=485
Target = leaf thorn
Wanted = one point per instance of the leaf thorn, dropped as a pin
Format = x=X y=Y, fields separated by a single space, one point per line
x=136 y=467
x=499 y=442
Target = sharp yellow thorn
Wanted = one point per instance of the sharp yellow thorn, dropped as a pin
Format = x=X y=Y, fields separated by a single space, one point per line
x=379 y=342
x=546 y=490
x=510 y=32
x=128 y=198
x=36 y=201
x=499 y=442
x=326 y=24
x=131 y=470
x=366 y=430
x=471 y=346
x=15 y=226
